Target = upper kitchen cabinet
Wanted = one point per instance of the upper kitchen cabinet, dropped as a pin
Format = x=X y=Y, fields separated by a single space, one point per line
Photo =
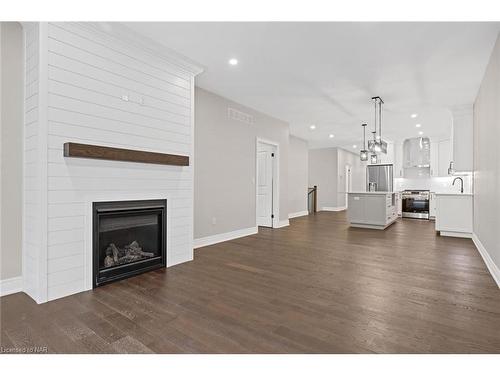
x=441 y=156
x=398 y=159
x=462 y=138
x=444 y=157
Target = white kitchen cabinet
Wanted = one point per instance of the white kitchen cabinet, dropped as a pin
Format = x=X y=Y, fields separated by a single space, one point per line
x=444 y=157
x=399 y=204
x=432 y=205
x=434 y=165
x=462 y=138
x=440 y=158
x=454 y=214
x=398 y=159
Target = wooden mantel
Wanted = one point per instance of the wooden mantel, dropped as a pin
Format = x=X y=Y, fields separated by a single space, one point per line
x=80 y=150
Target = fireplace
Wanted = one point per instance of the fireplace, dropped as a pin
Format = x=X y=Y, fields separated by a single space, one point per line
x=129 y=237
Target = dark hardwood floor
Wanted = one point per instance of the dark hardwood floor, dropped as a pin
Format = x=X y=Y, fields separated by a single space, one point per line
x=316 y=286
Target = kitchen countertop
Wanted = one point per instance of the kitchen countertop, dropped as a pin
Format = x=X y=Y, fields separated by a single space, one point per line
x=454 y=194
x=402 y=191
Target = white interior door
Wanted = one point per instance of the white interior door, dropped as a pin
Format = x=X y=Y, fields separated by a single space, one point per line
x=265 y=172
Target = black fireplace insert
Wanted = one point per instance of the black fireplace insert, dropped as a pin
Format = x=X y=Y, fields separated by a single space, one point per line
x=129 y=237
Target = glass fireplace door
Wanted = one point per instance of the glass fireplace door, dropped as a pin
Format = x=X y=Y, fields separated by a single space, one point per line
x=129 y=238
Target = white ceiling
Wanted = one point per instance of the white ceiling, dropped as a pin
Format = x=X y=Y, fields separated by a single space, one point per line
x=326 y=73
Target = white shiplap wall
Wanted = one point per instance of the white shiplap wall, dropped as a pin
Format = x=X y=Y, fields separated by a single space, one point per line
x=103 y=87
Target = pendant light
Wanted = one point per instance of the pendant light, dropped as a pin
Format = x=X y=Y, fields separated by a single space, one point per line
x=363 y=154
x=377 y=145
x=372 y=143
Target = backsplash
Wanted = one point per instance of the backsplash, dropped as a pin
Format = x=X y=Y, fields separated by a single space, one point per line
x=434 y=184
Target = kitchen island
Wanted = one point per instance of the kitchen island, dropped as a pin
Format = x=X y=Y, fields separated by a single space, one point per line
x=372 y=209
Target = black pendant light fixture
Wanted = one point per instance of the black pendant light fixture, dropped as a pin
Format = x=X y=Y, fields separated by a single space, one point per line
x=363 y=154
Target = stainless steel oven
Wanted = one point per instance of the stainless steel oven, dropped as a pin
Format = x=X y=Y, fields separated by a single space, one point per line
x=415 y=204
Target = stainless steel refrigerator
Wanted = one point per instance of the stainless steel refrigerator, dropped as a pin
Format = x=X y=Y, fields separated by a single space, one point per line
x=379 y=177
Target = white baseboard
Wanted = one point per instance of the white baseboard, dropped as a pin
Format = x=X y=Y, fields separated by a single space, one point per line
x=222 y=237
x=492 y=267
x=283 y=223
x=10 y=286
x=455 y=234
x=333 y=208
x=298 y=214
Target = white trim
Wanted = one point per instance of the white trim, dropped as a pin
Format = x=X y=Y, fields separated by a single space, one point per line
x=282 y=223
x=1 y=54
x=10 y=286
x=222 y=237
x=43 y=108
x=298 y=214
x=333 y=208
x=492 y=267
x=276 y=173
x=445 y=233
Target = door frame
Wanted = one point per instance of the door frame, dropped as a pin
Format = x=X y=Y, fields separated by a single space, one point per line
x=276 y=181
x=347 y=183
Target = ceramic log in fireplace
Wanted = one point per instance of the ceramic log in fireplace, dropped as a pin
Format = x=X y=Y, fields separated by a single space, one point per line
x=129 y=237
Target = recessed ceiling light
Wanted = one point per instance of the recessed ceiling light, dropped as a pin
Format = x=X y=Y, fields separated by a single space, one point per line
x=233 y=61
x=418 y=125
x=354 y=146
x=420 y=133
x=414 y=115
x=331 y=135
x=312 y=127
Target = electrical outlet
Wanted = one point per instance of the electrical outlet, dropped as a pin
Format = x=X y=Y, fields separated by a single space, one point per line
x=214 y=220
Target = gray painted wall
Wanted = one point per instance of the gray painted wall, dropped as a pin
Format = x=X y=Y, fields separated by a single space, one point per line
x=487 y=159
x=224 y=178
x=323 y=173
x=297 y=175
x=327 y=171
x=11 y=149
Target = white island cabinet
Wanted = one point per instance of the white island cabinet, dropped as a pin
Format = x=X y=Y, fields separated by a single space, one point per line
x=373 y=210
x=454 y=214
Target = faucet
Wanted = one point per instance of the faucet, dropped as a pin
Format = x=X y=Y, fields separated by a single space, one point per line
x=461 y=184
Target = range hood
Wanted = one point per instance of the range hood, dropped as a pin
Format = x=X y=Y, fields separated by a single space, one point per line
x=417 y=152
